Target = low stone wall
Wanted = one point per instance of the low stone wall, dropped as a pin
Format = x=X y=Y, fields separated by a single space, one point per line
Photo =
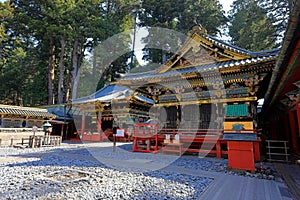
x=14 y=137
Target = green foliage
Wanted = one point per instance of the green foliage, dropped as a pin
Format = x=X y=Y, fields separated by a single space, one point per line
x=251 y=26
x=5 y=19
x=30 y=28
x=279 y=10
x=180 y=16
x=159 y=13
x=207 y=13
x=35 y=26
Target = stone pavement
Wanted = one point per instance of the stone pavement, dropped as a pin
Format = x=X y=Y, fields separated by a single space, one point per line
x=233 y=187
x=290 y=173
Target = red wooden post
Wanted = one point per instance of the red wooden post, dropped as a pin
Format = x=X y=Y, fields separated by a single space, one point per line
x=293 y=131
x=99 y=128
x=134 y=144
x=134 y=139
x=218 y=149
x=99 y=125
x=156 y=137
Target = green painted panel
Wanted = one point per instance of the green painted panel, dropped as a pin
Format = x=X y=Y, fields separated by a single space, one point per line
x=237 y=110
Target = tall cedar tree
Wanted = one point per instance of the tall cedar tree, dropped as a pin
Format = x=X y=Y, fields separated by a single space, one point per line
x=279 y=10
x=177 y=15
x=55 y=34
x=251 y=27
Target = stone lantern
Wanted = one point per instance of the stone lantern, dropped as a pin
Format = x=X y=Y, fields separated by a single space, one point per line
x=47 y=128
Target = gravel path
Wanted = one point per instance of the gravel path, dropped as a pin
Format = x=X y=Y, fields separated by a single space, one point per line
x=46 y=173
x=72 y=172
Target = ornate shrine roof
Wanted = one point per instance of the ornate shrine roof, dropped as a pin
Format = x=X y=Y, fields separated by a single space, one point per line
x=263 y=57
x=112 y=92
x=237 y=49
x=106 y=93
x=25 y=111
x=203 y=53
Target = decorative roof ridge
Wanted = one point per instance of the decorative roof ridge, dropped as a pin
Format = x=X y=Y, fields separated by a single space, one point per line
x=23 y=108
x=227 y=45
x=236 y=62
x=102 y=93
x=274 y=51
x=92 y=96
x=139 y=73
x=207 y=67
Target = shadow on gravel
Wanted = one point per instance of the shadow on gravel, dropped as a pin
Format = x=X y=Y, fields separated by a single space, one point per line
x=79 y=156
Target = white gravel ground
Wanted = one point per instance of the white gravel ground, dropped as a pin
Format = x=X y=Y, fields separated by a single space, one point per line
x=56 y=173
x=94 y=171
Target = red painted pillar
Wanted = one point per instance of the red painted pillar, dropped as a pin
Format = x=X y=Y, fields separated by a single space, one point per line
x=293 y=131
x=218 y=149
x=99 y=125
x=298 y=117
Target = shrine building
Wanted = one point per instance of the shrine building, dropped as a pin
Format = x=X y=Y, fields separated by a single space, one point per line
x=207 y=88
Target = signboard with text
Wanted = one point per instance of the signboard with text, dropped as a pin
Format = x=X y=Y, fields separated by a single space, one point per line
x=120 y=132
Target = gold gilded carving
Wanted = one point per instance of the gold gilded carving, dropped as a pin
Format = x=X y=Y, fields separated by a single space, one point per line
x=252 y=82
x=252 y=90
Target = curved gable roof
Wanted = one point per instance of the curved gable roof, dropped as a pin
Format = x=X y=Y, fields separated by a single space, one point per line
x=236 y=56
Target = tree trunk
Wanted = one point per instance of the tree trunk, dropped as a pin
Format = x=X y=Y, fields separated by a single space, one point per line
x=67 y=93
x=60 y=92
x=75 y=69
x=51 y=67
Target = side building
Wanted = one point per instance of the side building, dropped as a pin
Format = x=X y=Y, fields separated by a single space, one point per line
x=112 y=106
x=281 y=111
x=16 y=122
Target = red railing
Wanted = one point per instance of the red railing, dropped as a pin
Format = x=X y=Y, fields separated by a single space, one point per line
x=147 y=138
x=193 y=132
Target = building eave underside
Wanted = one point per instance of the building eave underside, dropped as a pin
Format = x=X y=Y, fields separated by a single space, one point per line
x=287 y=61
